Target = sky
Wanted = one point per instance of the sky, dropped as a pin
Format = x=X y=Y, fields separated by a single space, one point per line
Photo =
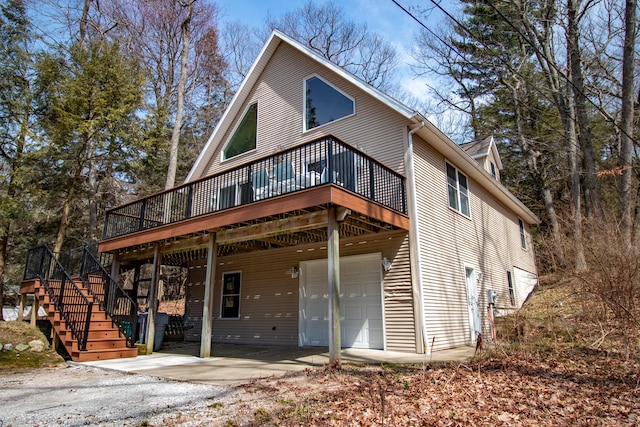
x=381 y=16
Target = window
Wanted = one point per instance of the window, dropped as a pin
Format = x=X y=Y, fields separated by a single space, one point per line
x=233 y=195
x=323 y=103
x=244 y=137
x=493 y=170
x=512 y=292
x=458 y=190
x=230 y=295
x=523 y=236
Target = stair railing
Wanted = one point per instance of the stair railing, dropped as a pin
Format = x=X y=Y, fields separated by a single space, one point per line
x=113 y=299
x=74 y=307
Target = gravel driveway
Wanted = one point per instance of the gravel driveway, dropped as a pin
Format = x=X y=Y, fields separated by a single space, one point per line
x=78 y=395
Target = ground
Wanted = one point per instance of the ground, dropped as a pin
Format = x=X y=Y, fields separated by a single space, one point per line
x=554 y=365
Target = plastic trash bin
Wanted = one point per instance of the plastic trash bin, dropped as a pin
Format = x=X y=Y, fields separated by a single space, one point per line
x=162 y=320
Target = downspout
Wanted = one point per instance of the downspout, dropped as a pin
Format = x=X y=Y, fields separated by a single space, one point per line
x=414 y=248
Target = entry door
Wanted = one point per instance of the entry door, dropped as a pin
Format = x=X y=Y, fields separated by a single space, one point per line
x=475 y=324
x=361 y=323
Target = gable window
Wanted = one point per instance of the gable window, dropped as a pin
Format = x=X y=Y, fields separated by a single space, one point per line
x=458 y=190
x=324 y=103
x=244 y=137
x=493 y=170
x=523 y=236
x=230 y=295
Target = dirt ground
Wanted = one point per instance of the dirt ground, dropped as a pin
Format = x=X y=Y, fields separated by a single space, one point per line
x=553 y=366
x=580 y=389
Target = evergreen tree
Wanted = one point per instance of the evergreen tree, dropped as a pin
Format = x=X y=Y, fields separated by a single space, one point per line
x=15 y=121
x=88 y=98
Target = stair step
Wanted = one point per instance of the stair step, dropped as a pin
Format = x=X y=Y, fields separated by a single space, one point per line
x=94 y=334
x=104 y=339
x=97 y=344
x=91 y=355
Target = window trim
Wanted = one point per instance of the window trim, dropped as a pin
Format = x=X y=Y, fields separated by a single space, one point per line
x=235 y=129
x=304 y=102
x=523 y=234
x=458 y=200
x=222 y=295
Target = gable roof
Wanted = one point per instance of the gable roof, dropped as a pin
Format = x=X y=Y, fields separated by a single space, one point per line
x=428 y=132
x=481 y=148
x=252 y=76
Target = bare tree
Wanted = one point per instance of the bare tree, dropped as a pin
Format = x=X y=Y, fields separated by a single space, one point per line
x=626 y=123
x=185 y=29
x=165 y=34
x=326 y=30
x=575 y=14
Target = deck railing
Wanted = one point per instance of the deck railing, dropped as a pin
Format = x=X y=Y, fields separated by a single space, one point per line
x=73 y=305
x=323 y=161
x=113 y=299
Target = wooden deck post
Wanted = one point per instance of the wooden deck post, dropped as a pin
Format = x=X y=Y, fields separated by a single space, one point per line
x=333 y=263
x=115 y=275
x=34 y=309
x=207 y=308
x=23 y=302
x=152 y=300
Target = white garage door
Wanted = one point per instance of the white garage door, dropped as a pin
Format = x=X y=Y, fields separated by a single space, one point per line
x=360 y=302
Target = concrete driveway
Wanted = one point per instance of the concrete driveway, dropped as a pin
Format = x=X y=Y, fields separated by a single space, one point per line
x=232 y=364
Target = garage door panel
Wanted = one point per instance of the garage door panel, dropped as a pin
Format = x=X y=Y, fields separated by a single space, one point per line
x=360 y=305
x=353 y=312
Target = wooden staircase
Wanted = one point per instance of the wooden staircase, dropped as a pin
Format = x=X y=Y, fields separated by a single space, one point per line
x=104 y=339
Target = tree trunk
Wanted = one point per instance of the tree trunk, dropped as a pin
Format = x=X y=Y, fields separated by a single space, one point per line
x=65 y=216
x=16 y=164
x=580 y=100
x=544 y=52
x=626 y=122
x=534 y=170
x=175 y=137
x=580 y=262
x=92 y=186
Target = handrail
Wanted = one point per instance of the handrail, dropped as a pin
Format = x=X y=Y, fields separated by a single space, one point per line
x=113 y=299
x=323 y=161
x=74 y=307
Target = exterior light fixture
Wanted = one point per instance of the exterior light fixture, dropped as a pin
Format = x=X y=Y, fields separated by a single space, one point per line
x=386 y=264
x=294 y=272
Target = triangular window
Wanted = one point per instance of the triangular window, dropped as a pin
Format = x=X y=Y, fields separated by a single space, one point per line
x=324 y=103
x=244 y=137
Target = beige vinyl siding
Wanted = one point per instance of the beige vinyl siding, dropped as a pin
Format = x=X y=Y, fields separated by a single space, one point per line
x=375 y=128
x=270 y=297
x=488 y=241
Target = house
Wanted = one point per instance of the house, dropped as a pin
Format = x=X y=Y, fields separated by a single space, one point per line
x=322 y=212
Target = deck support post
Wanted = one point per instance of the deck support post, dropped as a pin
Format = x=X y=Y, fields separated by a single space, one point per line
x=34 y=309
x=152 y=300
x=207 y=308
x=23 y=302
x=115 y=275
x=333 y=280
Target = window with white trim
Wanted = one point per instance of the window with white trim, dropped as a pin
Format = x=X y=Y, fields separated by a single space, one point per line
x=323 y=103
x=230 y=304
x=245 y=135
x=523 y=235
x=512 y=292
x=458 y=187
